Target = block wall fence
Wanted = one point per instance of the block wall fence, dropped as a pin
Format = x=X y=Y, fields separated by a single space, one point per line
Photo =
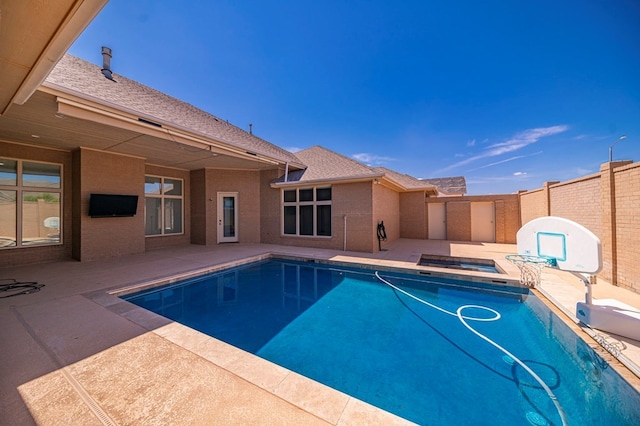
x=608 y=204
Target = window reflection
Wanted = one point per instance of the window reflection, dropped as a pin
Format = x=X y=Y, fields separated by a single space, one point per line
x=41 y=175
x=8 y=172
x=40 y=218
x=8 y=218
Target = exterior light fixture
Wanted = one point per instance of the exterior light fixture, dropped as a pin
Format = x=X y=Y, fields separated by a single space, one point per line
x=612 y=145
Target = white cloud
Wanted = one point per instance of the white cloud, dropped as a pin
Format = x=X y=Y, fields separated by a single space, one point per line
x=293 y=149
x=472 y=142
x=517 y=157
x=520 y=173
x=519 y=141
x=372 y=159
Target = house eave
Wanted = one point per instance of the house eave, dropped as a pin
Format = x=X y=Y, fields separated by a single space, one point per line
x=331 y=181
x=83 y=107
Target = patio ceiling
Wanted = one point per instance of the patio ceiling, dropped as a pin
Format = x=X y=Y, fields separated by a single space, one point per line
x=34 y=34
x=48 y=121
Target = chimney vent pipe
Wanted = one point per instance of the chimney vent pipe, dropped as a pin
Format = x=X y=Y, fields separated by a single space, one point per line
x=106 y=63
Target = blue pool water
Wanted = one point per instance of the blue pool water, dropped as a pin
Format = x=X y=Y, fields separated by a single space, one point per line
x=347 y=329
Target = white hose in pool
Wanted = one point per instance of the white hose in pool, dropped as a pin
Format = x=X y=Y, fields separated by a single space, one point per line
x=496 y=317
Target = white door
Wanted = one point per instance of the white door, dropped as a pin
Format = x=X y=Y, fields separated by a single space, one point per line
x=437 y=221
x=227 y=217
x=483 y=227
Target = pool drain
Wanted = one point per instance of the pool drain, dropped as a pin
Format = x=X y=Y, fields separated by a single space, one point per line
x=536 y=419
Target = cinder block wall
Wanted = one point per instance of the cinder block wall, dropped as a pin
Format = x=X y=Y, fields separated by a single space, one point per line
x=49 y=253
x=608 y=204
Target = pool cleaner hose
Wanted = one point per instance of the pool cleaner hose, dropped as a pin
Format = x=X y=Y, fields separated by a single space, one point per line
x=496 y=316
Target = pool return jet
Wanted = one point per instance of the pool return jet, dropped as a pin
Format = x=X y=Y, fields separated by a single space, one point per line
x=566 y=245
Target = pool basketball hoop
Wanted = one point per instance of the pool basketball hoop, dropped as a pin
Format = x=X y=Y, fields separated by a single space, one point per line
x=530 y=267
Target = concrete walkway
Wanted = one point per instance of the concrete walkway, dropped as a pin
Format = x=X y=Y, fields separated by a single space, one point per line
x=74 y=353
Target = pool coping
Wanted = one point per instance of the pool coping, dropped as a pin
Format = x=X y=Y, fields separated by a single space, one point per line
x=284 y=383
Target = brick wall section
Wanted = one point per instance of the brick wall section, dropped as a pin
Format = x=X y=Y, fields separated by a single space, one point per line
x=627 y=207
x=534 y=204
x=247 y=184
x=608 y=204
x=355 y=200
x=105 y=173
x=173 y=240
x=26 y=255
x=198 y=215
x=386 y=208
x=413 y=211
x=458 y=221
x=578 y=200
x=270 y=202
x=458 y=216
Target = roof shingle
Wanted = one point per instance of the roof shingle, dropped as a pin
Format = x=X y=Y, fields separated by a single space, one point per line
x=85 y=80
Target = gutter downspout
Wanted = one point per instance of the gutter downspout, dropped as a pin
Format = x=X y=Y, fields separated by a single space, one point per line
x=344 y=244
x=286 y=172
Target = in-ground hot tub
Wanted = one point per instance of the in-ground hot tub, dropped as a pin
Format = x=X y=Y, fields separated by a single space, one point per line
x=465 y=263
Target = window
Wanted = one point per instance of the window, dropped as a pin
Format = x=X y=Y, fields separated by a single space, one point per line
x=307 y=212
x=163 y=206
x=30 y=195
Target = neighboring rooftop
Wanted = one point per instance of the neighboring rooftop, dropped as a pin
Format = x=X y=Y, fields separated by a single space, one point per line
x=448 y=186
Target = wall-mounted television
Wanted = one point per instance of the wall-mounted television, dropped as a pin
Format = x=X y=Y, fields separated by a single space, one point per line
x=112 y=205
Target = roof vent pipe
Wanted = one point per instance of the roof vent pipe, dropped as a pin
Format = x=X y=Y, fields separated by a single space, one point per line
x=106 y=63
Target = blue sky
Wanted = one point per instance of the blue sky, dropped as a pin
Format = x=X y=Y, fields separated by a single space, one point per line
x=509 y=94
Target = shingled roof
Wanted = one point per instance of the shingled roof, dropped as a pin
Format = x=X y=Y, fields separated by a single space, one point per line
x=407 y=181
x=326 y=165
x=85 y=80
x=456 y=185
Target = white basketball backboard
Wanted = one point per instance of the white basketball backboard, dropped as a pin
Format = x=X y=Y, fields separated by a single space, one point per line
x=572 y=246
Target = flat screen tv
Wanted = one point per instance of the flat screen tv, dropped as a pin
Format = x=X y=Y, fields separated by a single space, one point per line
x=112 y=205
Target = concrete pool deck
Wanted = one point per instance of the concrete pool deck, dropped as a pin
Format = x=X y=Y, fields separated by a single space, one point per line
x=75 y=354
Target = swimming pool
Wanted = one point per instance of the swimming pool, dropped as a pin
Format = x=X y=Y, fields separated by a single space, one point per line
x=346 y=328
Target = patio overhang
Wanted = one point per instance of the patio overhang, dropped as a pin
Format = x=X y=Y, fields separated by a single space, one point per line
x=34 y=36
x=52 y=119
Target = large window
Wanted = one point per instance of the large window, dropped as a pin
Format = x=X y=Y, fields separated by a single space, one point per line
x=30 y=195
x=163 y=210
x=307 y=212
